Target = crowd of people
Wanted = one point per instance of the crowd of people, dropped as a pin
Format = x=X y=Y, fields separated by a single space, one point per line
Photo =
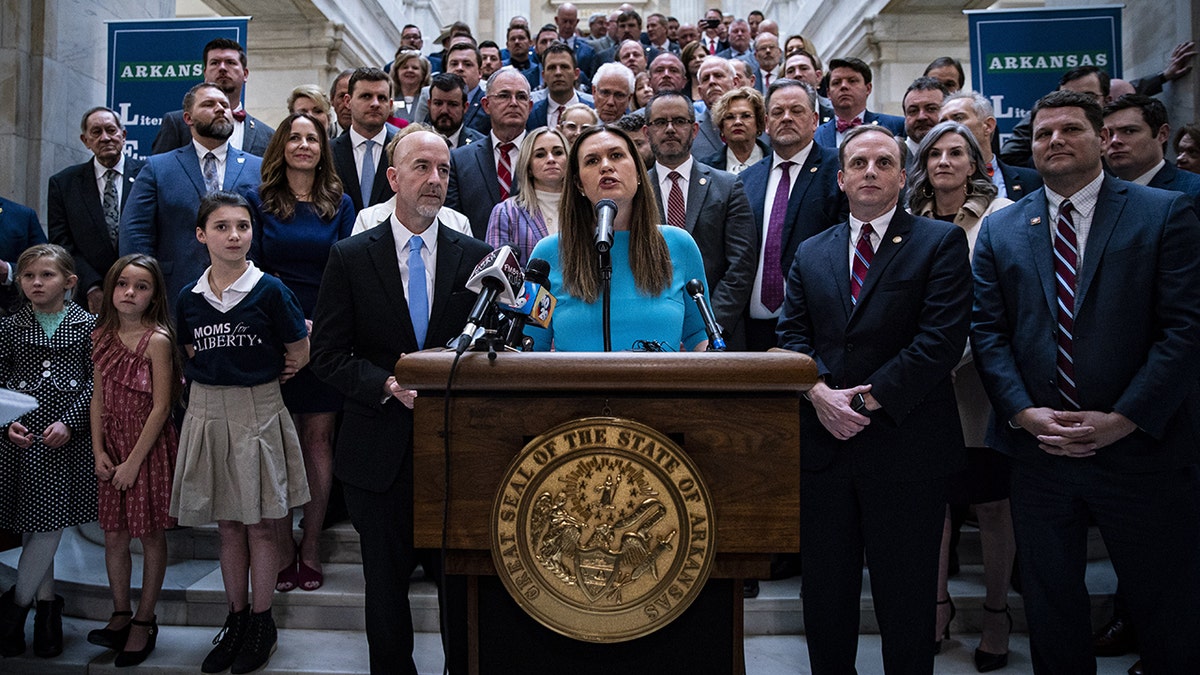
x=972 y=359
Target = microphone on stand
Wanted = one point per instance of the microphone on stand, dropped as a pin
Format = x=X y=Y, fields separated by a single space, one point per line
x=606 y=213
x=497 y=278
x=716 y=343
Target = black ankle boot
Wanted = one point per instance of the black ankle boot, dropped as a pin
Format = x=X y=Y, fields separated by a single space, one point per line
x=261 y=637
x=228 y=642
x=12 y=625
x=47 y=628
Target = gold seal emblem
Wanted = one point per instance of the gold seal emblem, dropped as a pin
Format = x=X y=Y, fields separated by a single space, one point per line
x=602 y=530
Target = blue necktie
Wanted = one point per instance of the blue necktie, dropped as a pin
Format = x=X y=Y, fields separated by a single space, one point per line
x=367 y=180
x=418 y=294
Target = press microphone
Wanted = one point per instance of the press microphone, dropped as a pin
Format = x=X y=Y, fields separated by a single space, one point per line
x=716 y=343
x=534 y=306
x=497 y=278
x=606 y=213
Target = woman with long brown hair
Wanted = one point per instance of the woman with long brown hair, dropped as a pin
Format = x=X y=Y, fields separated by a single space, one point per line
x=302 y=211
x=651 y=263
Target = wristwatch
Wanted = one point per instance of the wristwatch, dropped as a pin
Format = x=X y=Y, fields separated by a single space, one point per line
x=859 y=404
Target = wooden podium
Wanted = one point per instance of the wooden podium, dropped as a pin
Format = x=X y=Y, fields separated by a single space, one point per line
x=736 y=415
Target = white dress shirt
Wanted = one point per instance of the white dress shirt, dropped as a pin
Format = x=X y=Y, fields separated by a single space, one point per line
x=428 y=255
x=1084 y=208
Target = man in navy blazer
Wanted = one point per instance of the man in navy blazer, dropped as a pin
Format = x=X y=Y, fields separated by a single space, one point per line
x=361 y=326
x=849 y=87
x=370 y=105
x=19 y=229
x=814 y=203
x=160 y=214
x=225 y=66
x=974 y=111
x=1137 y=130
x=882 y=432
x=474 y=182
x=1093 y=370
x=561 y=74
x=75 y=204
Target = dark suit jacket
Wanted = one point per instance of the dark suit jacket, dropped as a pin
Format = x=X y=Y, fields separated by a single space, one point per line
x=904 y=337
x=718 y=218
x=541 y=109
x=347 y=170
x=1171 y=178
x=19 y=229
x=585 y=58
x=467 y=136
x=160 y=215
x=815 y=204
x=708 y=138
x=474 y=187
x=175 y=133
x=76 y=219
x=361 y=328
x=827 y=133
x=1136 y=346
x=1018 y=181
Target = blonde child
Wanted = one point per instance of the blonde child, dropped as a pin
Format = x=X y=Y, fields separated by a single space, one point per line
x=46 y=479
x=137 y=379
x=240 y=461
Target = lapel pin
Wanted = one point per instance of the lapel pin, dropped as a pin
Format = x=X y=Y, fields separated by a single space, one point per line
x=1 y=210
x=704 y=181
x=1016 y=188
x=241 y=160
x=812 y=169
x=897 y=239
x=1036 y=220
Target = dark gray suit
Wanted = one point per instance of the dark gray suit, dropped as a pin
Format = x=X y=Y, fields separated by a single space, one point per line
x=175 y=133
x=474 y=186
x=708 y=139
x=347 y=170
x=75 y=218
x=719 y=219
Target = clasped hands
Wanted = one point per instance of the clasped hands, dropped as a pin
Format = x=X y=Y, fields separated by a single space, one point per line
x=834 y=411
x=1073 y=433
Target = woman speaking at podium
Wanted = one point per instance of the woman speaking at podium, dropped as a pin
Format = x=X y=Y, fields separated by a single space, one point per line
x=651 y=263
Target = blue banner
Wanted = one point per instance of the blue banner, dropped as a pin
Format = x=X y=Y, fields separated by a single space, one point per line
x=1018 y=56
x=152 y=64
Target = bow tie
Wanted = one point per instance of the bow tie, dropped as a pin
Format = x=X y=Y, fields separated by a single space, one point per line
x=844 y=125
x=239 y=115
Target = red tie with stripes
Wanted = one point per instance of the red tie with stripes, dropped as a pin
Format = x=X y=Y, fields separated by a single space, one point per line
x=676 y=209
x=863 y=253
x=1066 y=259
x=504 y=170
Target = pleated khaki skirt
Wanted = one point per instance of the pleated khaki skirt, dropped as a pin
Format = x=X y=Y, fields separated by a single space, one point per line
x=239 y=457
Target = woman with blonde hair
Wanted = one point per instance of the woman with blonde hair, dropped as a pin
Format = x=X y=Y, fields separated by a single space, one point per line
x=309 y=99
x=532 y=213
x=410 y=72
x=740 y=116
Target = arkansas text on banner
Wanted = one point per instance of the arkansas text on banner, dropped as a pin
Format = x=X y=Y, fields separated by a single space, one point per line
x=152 y=64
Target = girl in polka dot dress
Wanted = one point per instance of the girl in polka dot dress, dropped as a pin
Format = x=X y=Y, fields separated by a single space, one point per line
x=137 y=379
x=46 y=478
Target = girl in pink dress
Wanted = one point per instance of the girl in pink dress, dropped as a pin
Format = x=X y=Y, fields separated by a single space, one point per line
x=137 y=379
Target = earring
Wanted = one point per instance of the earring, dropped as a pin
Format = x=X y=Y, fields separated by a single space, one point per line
x=927 y=192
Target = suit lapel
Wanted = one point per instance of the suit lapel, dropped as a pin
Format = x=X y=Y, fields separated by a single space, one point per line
x=89 y=194
x=132 y=168
x=697 y=194
x=343 y=160
x=382 y=252
x=662 y=203
x=190 y=163
x=486 y=165
x=235 y=161
x=754 y=182
x=1041 y=247
x=839 y=267
x=449 y=258
x=1109 y=205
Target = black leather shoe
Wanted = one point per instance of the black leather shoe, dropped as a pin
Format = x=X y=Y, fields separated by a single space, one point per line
x=126 y=659
x=47 y=628
x=12 y=625
x=986 y=662
x=259 y=645
x=111 y=638
x=1136 y=669
x=1116 y=638
x=228 y=642
x=749 y=588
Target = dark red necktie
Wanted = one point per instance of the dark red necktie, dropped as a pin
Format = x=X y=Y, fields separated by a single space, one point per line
x=1066 y=259
x=504 y=170
x=772 y=278
x=676 y=209
x=239 y=115
x=843 y=125
x=863 y=254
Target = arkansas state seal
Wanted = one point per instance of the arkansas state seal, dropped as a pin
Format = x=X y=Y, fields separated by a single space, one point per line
x=602 y=530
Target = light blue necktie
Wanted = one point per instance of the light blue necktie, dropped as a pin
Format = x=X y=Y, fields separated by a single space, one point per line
x=418 y=294
x=367 y=180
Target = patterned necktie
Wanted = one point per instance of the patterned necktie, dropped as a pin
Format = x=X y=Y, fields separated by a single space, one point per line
x=772 y=278
x=712 y=46
x=1066 y=258
x=766 y=80
x=111 y=205
x=504 y=170
x=211 y=184
x=418 y=293
x=366 y=179
x=843 y=125
x=863 y=253
x=676 y=209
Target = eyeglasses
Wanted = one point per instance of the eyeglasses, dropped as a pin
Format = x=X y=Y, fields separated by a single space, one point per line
x=507 y=96
x=662 y=123
x=745 y=117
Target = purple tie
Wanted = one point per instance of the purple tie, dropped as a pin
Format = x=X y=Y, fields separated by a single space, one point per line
x=772 y=279
x=1066 y=258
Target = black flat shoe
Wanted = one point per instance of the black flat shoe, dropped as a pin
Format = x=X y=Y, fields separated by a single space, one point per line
x=1116 y=638
x=126 y=659
x=228 y=642
x=985 y=662
x=259 y=645
x=47 y=628
x=111 y=638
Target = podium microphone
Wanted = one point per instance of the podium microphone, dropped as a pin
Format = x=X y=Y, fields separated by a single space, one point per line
x=606 y=213
x=716 y=343
x=497 y=278
x=534 y=306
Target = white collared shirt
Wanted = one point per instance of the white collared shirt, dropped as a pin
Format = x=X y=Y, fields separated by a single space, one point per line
x=221 y=152
x=232 y=295
x=100 y=170
x=665 y=183
x=1145 y=178
x=757 y=309
x=358 y=142
x=997 y=177
x=1084 y=208
x=879 y=227
x=734 y=166
x=512 y=155
x=429 y=237
x=554 y=106
x=237 y=139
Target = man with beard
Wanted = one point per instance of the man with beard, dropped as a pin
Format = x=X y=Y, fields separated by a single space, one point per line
x=84 y=201
x=717 y=76
x=629 y=27
x=447 y=100
x=224 y=66
x=560 y=73
x=710 y=204
x=849 y=87
x=160 y=214
x=922 y=105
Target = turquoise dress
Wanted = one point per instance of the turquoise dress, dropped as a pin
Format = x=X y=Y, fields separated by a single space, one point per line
x=670 y=318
